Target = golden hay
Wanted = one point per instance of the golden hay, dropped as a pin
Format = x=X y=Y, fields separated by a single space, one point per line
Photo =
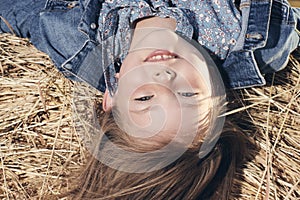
x=39 y=148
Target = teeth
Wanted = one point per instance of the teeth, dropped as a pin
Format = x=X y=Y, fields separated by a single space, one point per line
x=157 y=57
x=161 y=57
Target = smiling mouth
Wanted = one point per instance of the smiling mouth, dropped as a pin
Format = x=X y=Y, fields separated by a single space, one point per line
x=160 y=55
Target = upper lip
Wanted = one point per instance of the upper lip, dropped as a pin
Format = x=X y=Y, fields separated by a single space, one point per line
x=160 y=55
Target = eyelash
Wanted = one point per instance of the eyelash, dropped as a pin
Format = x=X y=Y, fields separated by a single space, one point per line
x=187 y=94
x=184 y=94
x=144 y=98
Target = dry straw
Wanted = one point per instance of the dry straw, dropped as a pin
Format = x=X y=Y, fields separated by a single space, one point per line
x=39 y=147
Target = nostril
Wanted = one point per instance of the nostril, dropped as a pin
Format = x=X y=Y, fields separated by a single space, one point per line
x=164 y=75
x=171 y=74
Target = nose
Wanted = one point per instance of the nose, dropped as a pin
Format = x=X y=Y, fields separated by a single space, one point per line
x=164 y=75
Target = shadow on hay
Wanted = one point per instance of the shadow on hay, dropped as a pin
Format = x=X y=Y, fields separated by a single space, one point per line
x=253 y=122
x=283 y=77
x=251 y=132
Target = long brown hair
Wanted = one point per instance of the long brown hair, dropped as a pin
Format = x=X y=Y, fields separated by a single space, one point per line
x=186 y=178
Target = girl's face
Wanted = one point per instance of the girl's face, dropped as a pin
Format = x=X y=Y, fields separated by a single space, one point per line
x=163 y=88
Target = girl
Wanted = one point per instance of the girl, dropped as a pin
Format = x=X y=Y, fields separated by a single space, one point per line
x=88 y=41
x=163 y=117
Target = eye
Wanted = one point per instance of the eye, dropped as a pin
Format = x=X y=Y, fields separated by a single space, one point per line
x=144 y=98
x=188 y=94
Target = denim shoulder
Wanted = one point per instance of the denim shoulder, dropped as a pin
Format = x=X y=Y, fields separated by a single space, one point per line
x=263 y=46
x=283 y=38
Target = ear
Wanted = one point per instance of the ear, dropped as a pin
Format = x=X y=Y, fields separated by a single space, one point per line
x=107 y=101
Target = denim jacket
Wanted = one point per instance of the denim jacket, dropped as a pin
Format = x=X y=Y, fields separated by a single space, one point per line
x=268 y=35
x=78 y=37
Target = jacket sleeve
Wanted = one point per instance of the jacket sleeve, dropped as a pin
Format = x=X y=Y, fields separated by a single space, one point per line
x=51 y=25
x=21 y=17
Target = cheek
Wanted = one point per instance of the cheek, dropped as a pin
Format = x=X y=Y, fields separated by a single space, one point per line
x=131 y=60
x=195 y=80
x=192 y=77
x=127 y=63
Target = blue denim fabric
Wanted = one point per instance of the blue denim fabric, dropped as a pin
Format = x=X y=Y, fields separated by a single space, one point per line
x=22 y=17
x=62 y=29
x=68 y=31
x=267 y=38
x=281 y=41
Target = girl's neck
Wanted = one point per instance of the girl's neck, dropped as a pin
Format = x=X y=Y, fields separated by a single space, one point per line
x=158 y=22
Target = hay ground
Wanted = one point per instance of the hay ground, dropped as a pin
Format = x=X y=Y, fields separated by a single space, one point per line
x=39 y=148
